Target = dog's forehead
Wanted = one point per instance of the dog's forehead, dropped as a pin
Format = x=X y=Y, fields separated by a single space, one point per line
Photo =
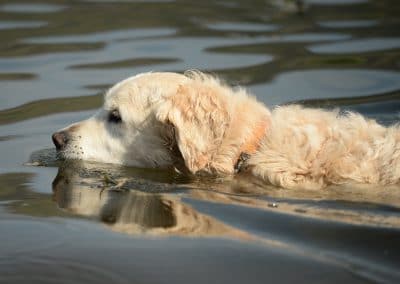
x=160 y=82
x=158 y=78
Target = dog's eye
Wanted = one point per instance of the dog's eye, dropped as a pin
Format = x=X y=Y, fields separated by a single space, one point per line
x=114 y=116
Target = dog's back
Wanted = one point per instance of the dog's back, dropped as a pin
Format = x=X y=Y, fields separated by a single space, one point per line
x=313 y=148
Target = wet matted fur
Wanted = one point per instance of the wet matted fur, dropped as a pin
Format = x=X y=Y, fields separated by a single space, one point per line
x=196 y=123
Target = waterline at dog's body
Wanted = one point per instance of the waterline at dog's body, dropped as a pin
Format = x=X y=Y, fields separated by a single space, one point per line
x=197 y=124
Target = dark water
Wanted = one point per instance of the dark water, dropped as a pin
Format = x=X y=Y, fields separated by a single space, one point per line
x=91 y=223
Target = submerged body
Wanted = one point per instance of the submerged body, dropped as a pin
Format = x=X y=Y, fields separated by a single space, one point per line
x=197 y=124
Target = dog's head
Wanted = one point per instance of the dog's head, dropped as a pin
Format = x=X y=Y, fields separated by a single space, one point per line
x=125 y=130
x=155 y=119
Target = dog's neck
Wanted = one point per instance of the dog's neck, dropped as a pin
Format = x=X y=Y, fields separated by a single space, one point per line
x=251 y=144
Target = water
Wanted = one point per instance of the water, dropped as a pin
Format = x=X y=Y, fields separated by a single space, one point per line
x=79 y=222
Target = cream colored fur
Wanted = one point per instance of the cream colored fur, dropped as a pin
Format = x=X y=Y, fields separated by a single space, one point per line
x=197 y=124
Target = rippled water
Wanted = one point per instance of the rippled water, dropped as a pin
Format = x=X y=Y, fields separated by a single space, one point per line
x=81 y=222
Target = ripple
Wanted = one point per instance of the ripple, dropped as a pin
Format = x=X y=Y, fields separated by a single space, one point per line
x=30 y=237
x=8 y=25
x=128 y=62
x=243 y=27
x=102 y=36
x=193 y=53
x=31 y=8
x=56 y=76
x=311 y=37
x=356 y=46
x=46 y=107
x=326 y=84
x=17 y=76
x=22 y=50
x=130 y=1
x=348 y=24
x=336 y=2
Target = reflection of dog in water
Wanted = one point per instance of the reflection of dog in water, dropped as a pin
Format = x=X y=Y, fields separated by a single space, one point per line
x=133 y=211
x=197 y=124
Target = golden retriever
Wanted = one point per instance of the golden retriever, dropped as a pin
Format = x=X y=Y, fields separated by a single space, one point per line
x=195 y=123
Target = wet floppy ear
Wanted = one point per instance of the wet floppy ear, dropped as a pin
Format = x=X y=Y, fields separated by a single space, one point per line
x=199 y=117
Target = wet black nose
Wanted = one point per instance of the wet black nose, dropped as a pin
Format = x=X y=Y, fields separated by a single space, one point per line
x=60 y=139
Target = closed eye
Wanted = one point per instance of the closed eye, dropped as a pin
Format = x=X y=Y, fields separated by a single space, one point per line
x=114 y=116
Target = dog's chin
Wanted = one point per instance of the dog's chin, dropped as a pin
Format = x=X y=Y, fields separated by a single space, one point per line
x=67 y=154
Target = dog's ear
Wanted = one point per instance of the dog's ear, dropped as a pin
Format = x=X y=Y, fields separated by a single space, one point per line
x=199 y=114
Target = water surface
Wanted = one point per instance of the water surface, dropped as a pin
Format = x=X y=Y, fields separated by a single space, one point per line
x=79 y=222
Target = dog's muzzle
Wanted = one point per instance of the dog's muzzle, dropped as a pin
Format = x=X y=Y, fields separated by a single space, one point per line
x=60 y=139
